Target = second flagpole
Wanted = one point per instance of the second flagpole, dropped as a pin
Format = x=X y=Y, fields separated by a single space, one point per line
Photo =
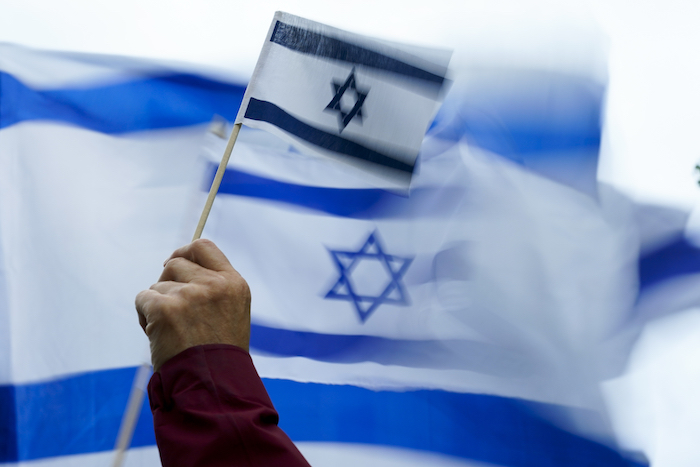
x=126 y=430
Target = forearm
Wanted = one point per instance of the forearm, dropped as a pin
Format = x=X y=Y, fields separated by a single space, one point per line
x=211 y=409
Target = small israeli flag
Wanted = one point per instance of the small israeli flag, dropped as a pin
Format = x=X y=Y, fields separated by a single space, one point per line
x=363 y=101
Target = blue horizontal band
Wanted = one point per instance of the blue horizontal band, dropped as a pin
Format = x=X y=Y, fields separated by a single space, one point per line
x=81 y=414
x=8 y=424
x=171 y=101
x=73 y=415
x=475 y=356
x=151 y=103
x=675 y=259
x=268 y=112
x=366 y=203
x=497 y=430
x=560 y=144
x=312 y=43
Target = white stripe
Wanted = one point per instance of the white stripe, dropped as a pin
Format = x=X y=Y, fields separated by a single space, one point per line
x=86 y=223
x=392 y=116
x=54 y=70
x=353 y=455
x=262 y=153
x=398 y=378
x=135 y=457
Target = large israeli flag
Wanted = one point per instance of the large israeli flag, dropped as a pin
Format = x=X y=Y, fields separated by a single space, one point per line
x=467 y=325
x=357 y=99
x=98 y=168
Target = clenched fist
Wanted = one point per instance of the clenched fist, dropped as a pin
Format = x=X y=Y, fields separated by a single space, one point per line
x=199 y=299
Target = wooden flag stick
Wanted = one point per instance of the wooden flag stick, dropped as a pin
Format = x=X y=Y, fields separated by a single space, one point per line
x=131 y=415
x=217 y=181
x=138 y=389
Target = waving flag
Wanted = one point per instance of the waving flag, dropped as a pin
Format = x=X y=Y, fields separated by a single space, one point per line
x=99 y=160
x=466 y=325
x=360 y=100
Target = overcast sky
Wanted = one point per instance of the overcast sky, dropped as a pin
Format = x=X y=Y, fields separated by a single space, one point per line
x=652 y=118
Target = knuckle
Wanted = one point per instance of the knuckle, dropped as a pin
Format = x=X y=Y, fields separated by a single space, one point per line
x=172 y=266
x=142 y=300
x=239 y=289
x=140 y=297
x=239 y=281
x=219 y=288
x=244 y=288
x=190 y=293
x=203 y=242
x=169 y=313
x=174 y=262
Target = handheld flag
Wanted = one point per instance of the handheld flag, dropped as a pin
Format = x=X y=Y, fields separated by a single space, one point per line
x=360 y=100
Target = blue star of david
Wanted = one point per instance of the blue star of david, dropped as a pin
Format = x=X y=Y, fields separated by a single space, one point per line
x=347 y=261
x=340 y=89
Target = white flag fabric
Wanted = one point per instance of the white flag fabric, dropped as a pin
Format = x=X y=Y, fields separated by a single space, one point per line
x=357 y=99
x=99 y=166
x=467 y=325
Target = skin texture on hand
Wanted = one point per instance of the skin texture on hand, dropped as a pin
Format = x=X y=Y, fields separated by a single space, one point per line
x=199 y=299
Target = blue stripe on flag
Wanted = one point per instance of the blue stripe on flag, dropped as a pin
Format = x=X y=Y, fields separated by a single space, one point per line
x=75 y=415
x=354 y=203
x=486 y=428
x=675 y=259
x=151 y=103
x=438 y=354
x=81 y=414
x=181 y=99
x=499 y=130
x=338 y=202
x=270 y=113
x=514 y=114
x=548 y=122
x=312 y=43
x=8 y=424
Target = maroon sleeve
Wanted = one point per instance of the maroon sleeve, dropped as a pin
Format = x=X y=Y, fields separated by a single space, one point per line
x=210 y=408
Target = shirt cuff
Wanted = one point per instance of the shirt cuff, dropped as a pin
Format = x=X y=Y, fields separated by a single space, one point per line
x=207 y=373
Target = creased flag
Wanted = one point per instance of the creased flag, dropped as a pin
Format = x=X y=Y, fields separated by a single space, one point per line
x=468 y=325
x=364 y=101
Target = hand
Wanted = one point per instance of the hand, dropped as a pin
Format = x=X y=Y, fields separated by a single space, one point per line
x=199 y=299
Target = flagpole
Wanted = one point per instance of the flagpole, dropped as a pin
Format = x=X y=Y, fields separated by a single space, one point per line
x=131 y=415
x=217 y=181
x=138 y=389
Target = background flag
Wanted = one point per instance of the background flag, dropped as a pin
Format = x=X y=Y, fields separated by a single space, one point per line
x=363 y=101
x=469 y=324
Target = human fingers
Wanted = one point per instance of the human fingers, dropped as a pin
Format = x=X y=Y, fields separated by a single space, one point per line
x=152 y=301
x=155 y=310
x=205 y=253
x=167 y=287
x=180 y=269
x=144 y=305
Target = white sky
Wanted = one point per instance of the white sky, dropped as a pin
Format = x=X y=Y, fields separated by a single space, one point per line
x=653 y=114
